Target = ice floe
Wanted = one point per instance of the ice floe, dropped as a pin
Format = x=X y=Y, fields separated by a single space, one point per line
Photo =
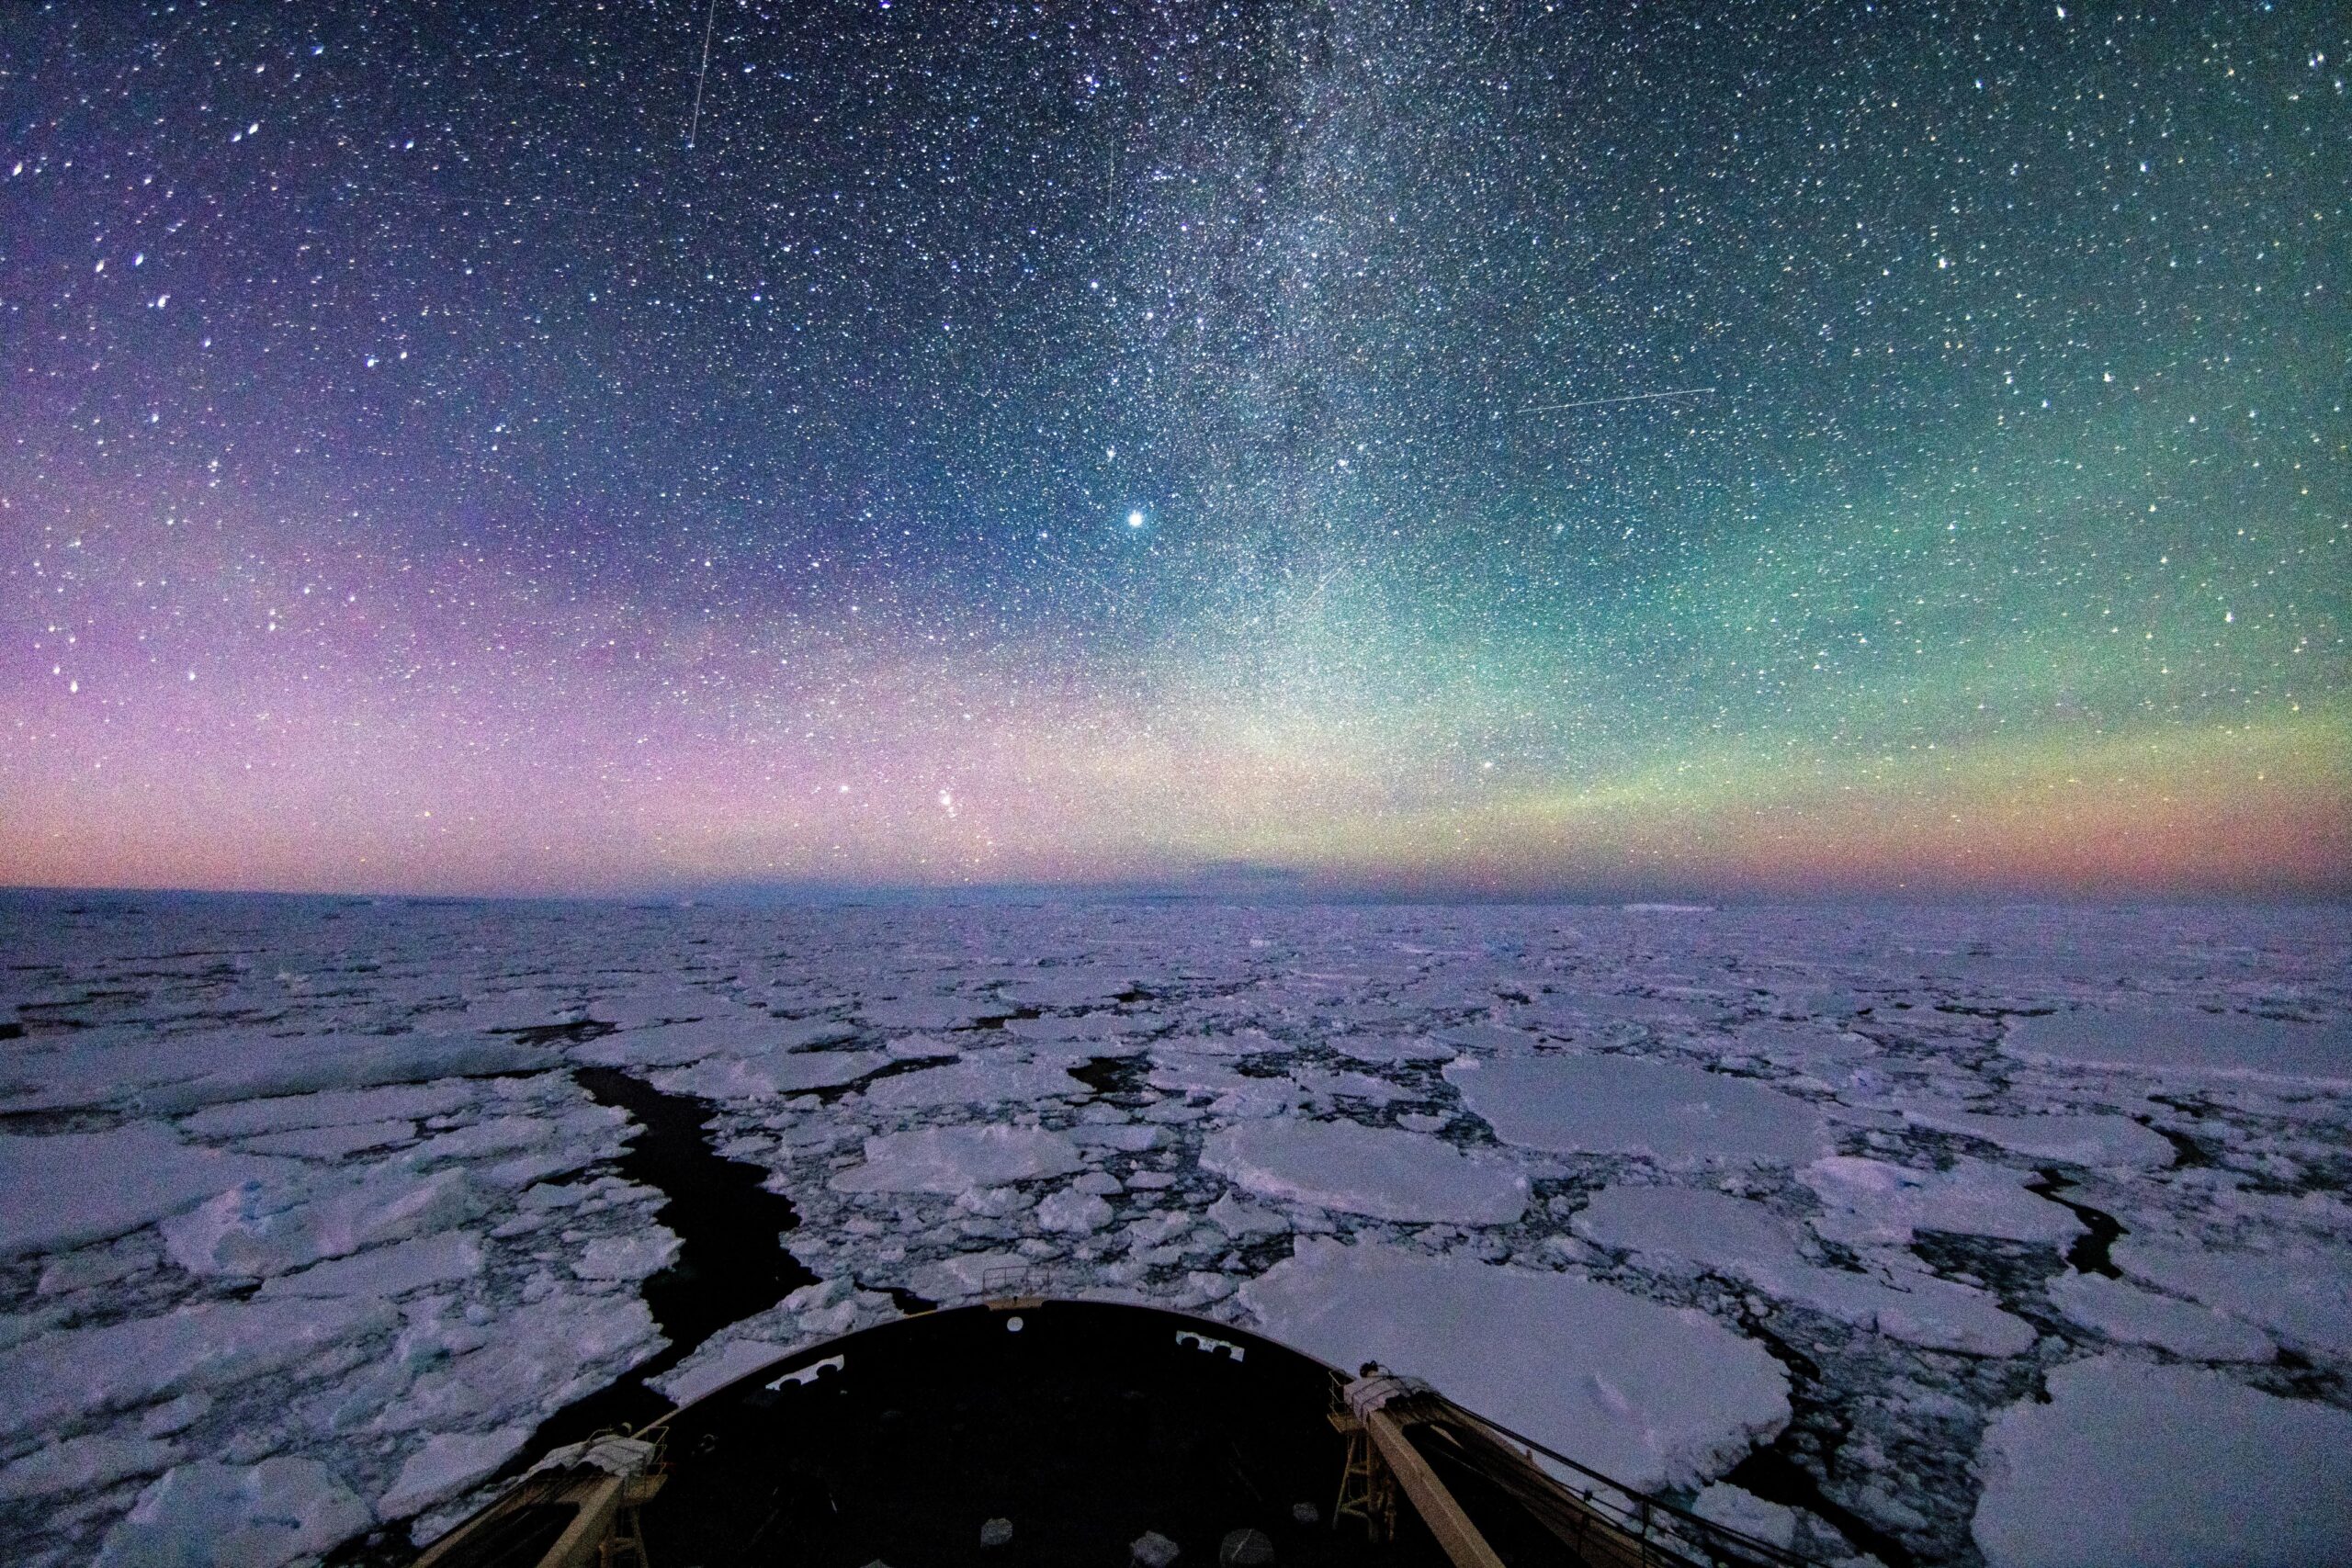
x=1365 y=1170
x=261 y=1516
x=1621 y=1105
x=2227 y=1045
x=1744 y=1241
x=954 y=1159
x=78 y=1374
x=2131 y=1316
x=1646 y=1393
x=69 y=1188
x=2155 y=1466
x=2301 y=1294
x=1877 y=1200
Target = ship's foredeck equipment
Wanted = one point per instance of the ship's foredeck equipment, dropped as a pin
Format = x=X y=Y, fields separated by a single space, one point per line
x=1038 y=1431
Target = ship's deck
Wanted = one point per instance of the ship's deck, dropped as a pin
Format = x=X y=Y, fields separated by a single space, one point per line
x=1084 y=1426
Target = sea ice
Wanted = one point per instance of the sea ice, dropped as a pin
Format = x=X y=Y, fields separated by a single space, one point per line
x=269 y=1227
x=1715 y=1230
x=84 y=1464
x=331 y=1108
x=1649 y=1394
x=358 y=1166
x=1745 y=1241
x=1365 y=1170
x=630 y=1256
x=968 y=1275
x=2300 y=1294
x=1071 y=1211
x=1621 y=1105
x=768 y=1076
x=384 y=1272
x=308 y=1064
x=822 y=1311
x=545 y=1354
x=1875 y=1201
x=2088 y=1140
x=2155 y=1466
x=2137 y=1318
x=446 y=1464
x=211 y=1513
x=65 y=1188
x=954 y=1159
x=81 y=1373
x=2228 y=1045
x=332 y=1143
x=972 y=1082
x=1744 y=1511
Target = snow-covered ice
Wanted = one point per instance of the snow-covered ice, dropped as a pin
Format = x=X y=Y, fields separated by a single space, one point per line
x=2225 y=1045
x=1646 y=1393
x=316 y=1217
x=79 y=1186
x=2129 y=1315
x=2127 y=1462
x=955 y=1159
x=1620 y=1105
x=1365 y=1170
x=270 y=1513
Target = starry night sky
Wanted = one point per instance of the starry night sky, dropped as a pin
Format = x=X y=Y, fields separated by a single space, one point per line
x=1122 y=443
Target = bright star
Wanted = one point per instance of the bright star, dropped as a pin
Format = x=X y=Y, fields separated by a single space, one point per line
x=1134 y=519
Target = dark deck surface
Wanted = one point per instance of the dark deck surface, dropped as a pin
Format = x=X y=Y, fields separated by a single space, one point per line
x=1086 y=1428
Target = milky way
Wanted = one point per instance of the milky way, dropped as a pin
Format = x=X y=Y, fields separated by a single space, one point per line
x=1367 y=446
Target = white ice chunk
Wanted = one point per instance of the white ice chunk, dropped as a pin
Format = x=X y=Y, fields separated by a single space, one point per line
x=1068 y=988
x=2207 y=1044
x=86 y=1371
x=84 y=1464
x=932 y=1013
x=823 y=1311
x=973 y=1082
x=2157 y=1466
x=1131 y=1137
x=955 y=1159
x=1387 y=1174
x=766 y=1076
x=1073 y=1212
x=968 y=1275
x=544 y=1356
x=586 y=1124
x=335 y=1107
x=207 y=1513
x=332 y=1143
x=386 y=1271
x=716 y=1366
x=1353 y=1085
x=307 y=1064
x=630 y=1256
x=2137 y=1318
x=1237 y=1218
x=268 y=1228
x=447 y=1465
x=2094 y=1140
x=69 y=1188
x=1649 y=1394
x=1620 y=1105
x=1872 y=1201
x=1745 y=1241
x=1734 y=1508
x=2301 y=1295
x=1715 y=1230
x=1913 y=1306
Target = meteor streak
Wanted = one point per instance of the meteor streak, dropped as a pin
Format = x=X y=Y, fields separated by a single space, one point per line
x=1628 y=397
